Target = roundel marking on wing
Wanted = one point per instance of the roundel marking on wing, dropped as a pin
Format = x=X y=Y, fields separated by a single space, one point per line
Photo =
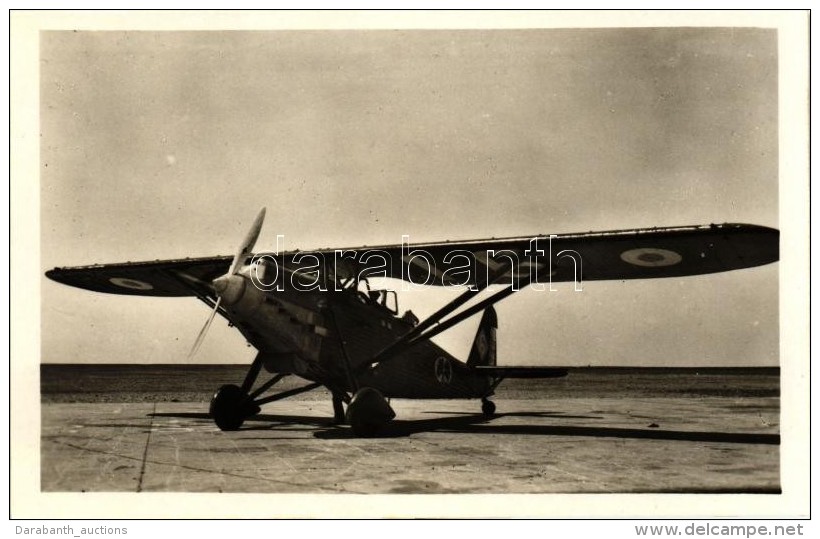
x=133 y=284
x=650 y=257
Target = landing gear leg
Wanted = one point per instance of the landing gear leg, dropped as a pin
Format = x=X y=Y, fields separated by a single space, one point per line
x=487 y=407
x=338 y=409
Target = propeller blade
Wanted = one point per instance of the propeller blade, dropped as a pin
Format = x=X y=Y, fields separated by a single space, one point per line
x=244 y=249
x=203 y=331
x=247 y=245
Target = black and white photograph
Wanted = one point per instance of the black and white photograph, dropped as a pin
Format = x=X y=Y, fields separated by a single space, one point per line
x=535 y=256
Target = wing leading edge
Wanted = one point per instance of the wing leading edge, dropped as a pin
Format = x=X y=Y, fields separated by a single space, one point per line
x=622 y=254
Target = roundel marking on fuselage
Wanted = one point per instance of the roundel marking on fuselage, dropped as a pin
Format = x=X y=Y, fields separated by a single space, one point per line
x=650 y=257
x=133 y=284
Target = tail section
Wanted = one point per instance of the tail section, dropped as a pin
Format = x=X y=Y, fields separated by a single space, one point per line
x=483 y=352
x=482 y=361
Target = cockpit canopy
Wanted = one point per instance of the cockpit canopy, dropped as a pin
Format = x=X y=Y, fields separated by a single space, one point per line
x=310 y=272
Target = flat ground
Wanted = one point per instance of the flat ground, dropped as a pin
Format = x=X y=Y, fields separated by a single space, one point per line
x=534 y=445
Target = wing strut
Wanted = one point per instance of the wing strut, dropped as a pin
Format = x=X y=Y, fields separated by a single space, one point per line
x=433 y=319
x=403 y=342
x=418 y=333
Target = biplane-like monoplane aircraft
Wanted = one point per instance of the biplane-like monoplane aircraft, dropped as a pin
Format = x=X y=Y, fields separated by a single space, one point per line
x=314 y=314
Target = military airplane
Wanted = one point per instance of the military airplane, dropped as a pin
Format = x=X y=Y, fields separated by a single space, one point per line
x=315 y=315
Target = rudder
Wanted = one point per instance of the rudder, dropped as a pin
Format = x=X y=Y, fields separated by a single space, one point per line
x=483 y=351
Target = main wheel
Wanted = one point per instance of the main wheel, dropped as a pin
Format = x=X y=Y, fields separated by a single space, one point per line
x=487 y=407
x=228 y=407
x=368 y=412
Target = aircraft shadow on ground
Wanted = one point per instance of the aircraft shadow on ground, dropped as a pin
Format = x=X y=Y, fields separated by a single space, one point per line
x=480 y=424
x=259 y=421
x=521 y=414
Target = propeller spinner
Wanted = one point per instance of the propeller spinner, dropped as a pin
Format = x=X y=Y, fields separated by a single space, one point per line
x=229 y=287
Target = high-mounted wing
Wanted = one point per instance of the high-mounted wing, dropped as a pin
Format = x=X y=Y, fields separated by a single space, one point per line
x=622 y=254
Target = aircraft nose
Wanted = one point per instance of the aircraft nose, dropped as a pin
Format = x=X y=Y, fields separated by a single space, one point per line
x=230 y=288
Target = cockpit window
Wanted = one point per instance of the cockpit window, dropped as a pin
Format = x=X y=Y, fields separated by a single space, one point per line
x=384 y=298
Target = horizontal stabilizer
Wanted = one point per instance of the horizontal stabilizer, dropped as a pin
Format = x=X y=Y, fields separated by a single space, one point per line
x=520 y=372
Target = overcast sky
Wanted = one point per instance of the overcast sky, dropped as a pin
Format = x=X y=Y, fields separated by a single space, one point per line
x=165 y=145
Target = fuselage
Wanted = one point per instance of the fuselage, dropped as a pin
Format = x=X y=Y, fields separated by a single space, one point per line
x=329 y=337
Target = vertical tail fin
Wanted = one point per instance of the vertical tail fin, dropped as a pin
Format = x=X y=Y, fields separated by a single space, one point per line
x=483 y=350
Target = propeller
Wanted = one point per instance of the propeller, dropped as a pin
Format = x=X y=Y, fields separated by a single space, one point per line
x=203 y=331
x=230 y=286
x=248 y=243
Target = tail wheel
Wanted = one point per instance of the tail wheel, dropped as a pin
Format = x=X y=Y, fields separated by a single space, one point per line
x=229 y=407
x=487 y=407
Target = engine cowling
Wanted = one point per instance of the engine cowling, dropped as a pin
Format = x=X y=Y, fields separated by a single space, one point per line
x=230 y=288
